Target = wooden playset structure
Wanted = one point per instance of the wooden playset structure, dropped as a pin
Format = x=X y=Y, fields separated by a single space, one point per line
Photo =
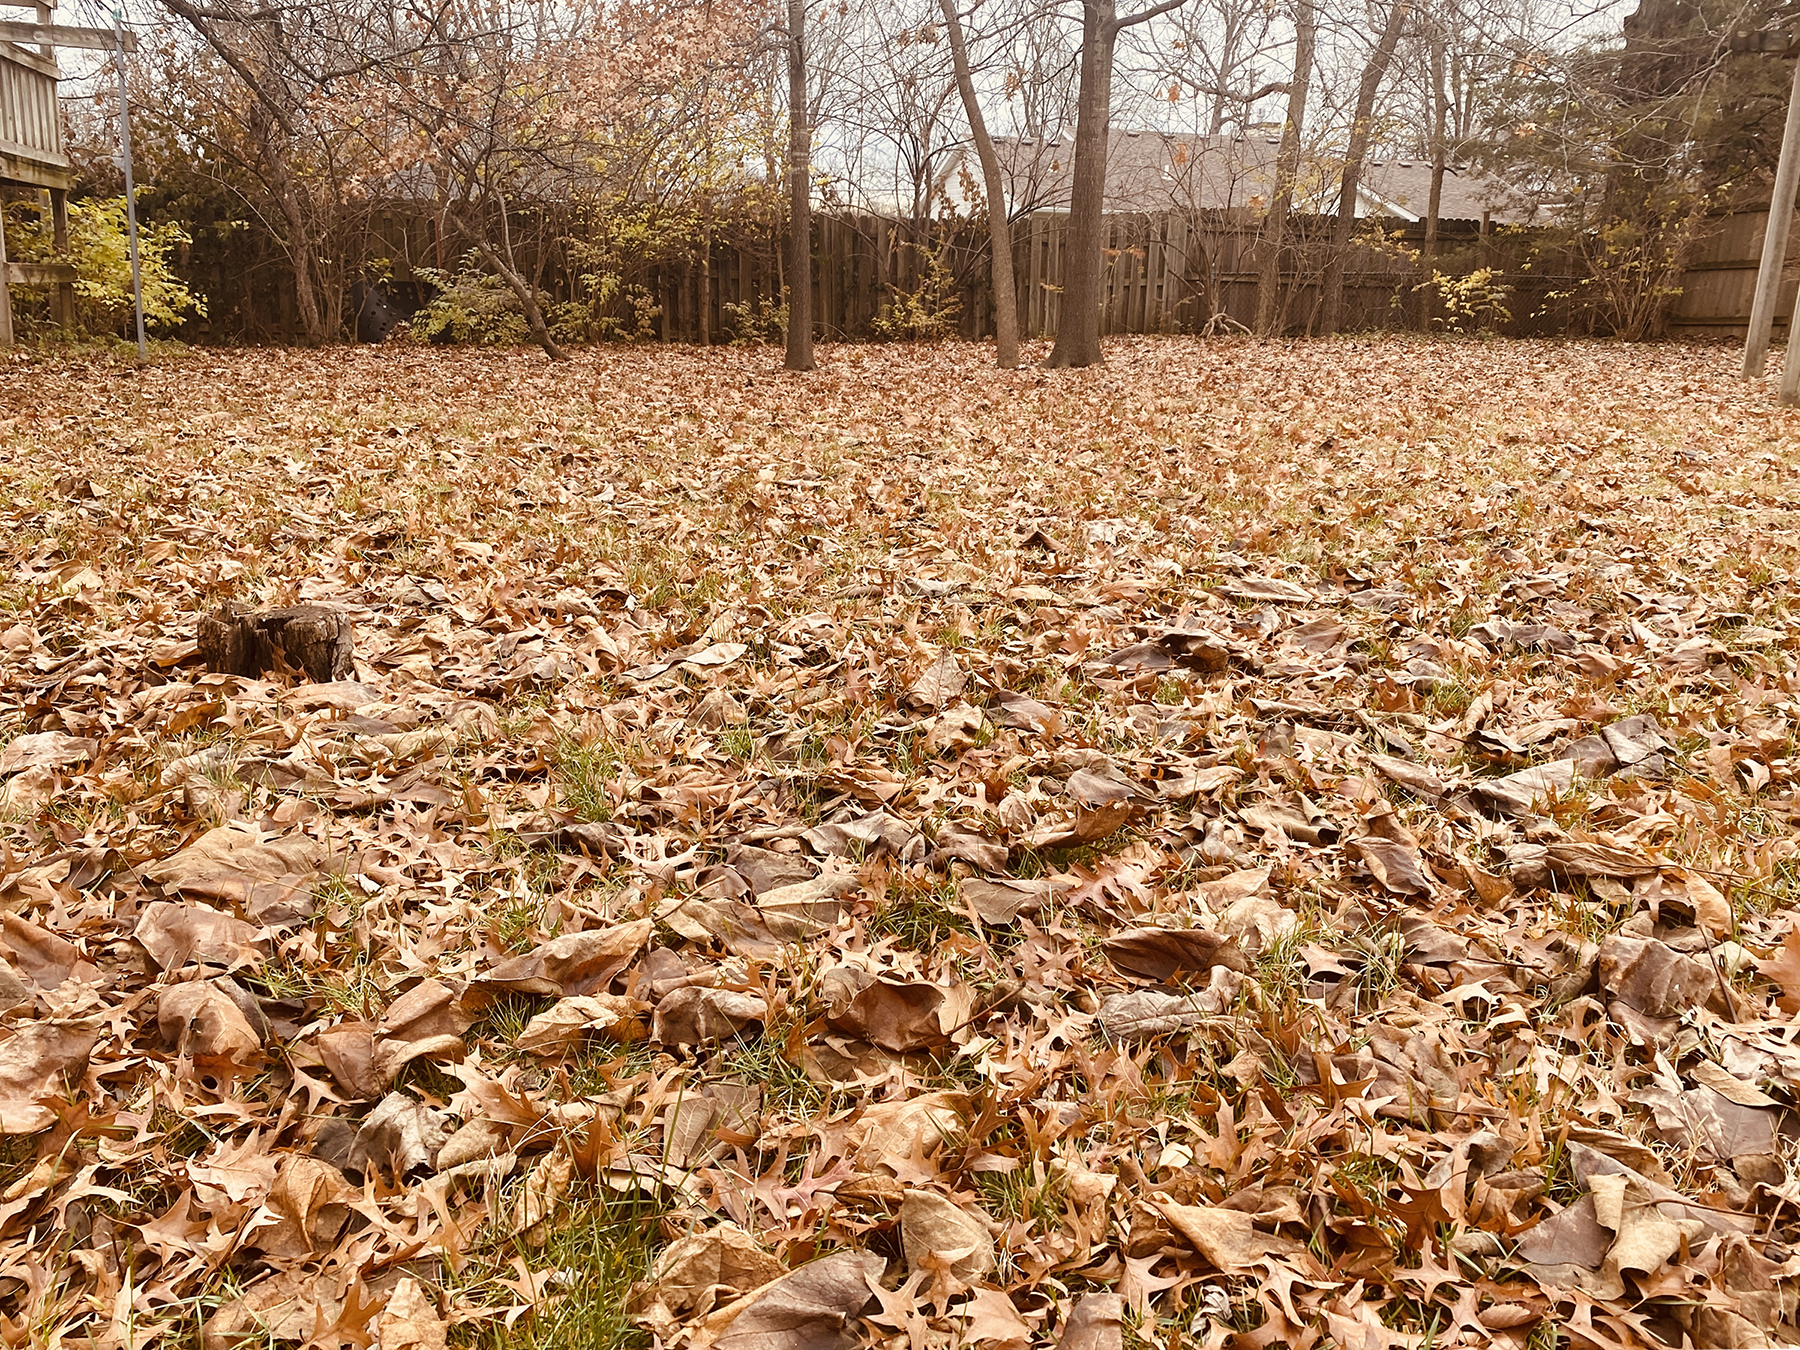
x=31 y=145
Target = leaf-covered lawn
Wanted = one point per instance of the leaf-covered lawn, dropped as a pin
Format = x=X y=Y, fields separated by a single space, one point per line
x=1252 y=845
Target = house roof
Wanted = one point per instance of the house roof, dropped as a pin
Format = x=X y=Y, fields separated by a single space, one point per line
x=1157 y=171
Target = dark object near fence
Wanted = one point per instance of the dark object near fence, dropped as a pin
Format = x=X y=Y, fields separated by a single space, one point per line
x=310 y=639
x=375 y=313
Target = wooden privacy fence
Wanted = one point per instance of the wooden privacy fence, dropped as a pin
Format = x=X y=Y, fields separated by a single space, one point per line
x=1169 y=273
x=1720 y=278
x=880 y=277
x=873 y=276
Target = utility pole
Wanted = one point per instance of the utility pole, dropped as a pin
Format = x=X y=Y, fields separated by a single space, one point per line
x=137 y=276
x=1781 y=213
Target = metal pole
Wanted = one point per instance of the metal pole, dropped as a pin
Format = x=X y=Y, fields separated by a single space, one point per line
x=137 y=276
x=1775 y=236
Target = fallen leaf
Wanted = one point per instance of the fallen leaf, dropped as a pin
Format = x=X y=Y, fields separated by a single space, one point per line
x=940 y=685
x=410 y=1321
x=179 y=935
x=1160 y=953
x=894 y=1014
x=809 y=1309
x=1002 y=902
x=1656 y=980
x=699 y=1016
x=1151 y=1012
x=1278 y=589
x=45 y=750
x=570 y=1020
x=1395 y=865
x=710 y=1268
x=203 y=1020
x=576 y=963
x=1526 y=791
x=888 y=1130
x=402 y=1134
x=1084 y=827
x=988 y=1317
x=1228 y=1238
x=1096 y=1322
x=39 y=1063
x=307 y=1208
x=937 y=1233
x=234 y=866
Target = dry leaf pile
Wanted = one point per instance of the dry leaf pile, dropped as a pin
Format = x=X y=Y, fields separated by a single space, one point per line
x=1251 y=846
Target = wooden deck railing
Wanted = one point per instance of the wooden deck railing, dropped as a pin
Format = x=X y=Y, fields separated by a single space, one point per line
x=32 y=155
x=31 y=144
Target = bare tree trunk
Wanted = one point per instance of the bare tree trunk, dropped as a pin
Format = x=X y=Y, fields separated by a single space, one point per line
x=299 y=238
x=1434 y=204
x=1361 y=128
x=799 y=267
x=706 y=285
x=507 y=269
x=1287 y=167
x=1078 y=325
x=706 y=238
x=306 y=297
x=1006 y=296
x=1078 y=322
x=273 y=112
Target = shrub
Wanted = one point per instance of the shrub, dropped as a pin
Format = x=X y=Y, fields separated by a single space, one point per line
x=100 y=249
x=470 y=306
x=930 y=310
x=756 y=321
x=609 y=306
x=1472 y=303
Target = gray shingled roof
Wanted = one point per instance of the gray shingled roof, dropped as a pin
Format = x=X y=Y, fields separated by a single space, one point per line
x=1157 y=171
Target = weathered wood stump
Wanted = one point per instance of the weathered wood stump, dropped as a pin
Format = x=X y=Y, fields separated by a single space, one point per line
x=310 y=639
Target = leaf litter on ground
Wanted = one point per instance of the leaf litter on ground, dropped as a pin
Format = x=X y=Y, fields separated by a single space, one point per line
x=1253 y=844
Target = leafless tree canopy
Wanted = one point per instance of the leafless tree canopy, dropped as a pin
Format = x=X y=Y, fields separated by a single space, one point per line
x=577 y=165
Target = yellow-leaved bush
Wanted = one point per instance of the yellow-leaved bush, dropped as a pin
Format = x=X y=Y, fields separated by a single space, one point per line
x=100 y=249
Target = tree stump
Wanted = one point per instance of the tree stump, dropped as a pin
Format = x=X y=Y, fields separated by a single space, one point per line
x=309 y=639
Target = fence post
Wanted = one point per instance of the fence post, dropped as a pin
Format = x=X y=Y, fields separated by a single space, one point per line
x=59 y=237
